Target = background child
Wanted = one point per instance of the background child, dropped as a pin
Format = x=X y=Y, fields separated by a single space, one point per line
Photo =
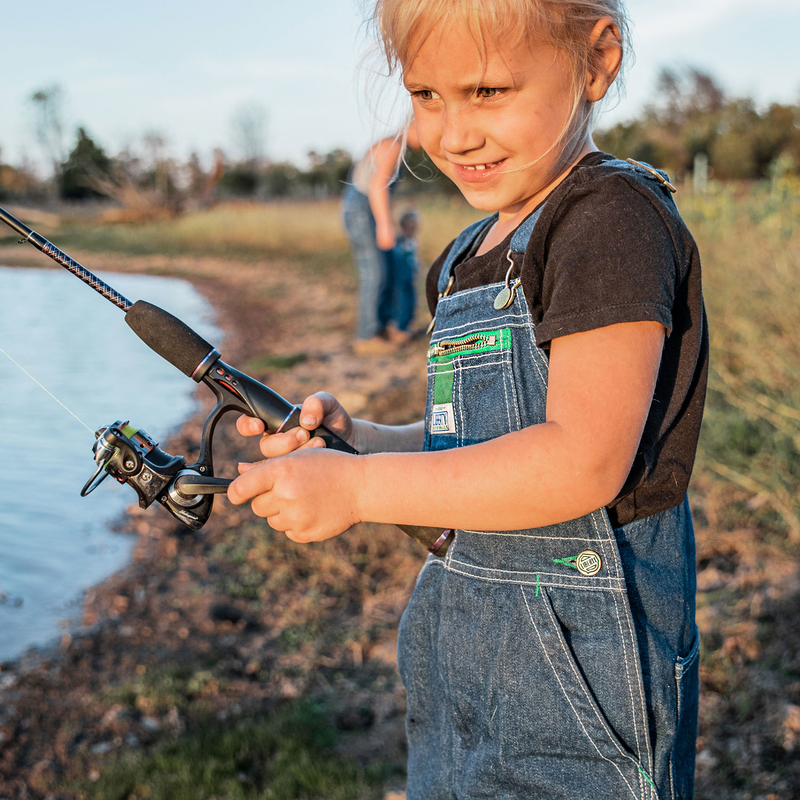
x=399 y=295
x=553 y=651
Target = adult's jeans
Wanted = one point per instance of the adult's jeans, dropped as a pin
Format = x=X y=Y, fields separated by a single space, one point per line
x=371 y=261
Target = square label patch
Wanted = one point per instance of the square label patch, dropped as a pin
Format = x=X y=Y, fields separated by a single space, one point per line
x=442 y=418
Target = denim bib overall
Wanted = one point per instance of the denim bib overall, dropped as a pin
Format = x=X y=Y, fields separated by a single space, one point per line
x=553 y=662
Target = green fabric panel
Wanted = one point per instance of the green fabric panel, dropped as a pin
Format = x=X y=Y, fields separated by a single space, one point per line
x=443 y=383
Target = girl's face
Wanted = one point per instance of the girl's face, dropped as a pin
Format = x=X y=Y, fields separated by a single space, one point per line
x=500 y=143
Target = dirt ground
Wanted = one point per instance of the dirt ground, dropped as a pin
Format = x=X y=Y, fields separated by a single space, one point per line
x=249 y=619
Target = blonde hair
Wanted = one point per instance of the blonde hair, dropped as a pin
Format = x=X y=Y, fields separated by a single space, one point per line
x=401 y=27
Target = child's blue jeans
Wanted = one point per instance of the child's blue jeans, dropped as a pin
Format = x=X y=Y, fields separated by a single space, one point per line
x=398 y=294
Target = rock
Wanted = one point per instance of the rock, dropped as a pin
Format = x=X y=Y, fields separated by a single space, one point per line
x=114 y=718
x=101 y=748
x=791 y=728
x=224 y=612
x=150 y=724
x=706 y=760
x=355 y=719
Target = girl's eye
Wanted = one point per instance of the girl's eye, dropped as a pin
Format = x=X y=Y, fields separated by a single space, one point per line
x=487 y=92
x=426 y=95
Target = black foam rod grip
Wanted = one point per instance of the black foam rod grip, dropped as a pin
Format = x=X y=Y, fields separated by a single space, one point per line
x=168 y=336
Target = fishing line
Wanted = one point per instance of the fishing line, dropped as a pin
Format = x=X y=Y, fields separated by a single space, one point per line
x=48 y=392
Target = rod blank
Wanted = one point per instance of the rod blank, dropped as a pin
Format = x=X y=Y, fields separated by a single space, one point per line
x=79 y=271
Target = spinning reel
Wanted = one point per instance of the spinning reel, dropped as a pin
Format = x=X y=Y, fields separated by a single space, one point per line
x=131 y=456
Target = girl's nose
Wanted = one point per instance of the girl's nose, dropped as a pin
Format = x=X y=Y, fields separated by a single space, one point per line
x=459 y=133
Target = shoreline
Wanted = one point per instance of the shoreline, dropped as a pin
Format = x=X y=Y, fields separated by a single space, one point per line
x=29 y=641
x=192 y=603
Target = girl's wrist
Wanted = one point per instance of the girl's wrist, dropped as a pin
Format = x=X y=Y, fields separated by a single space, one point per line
x=362 y=439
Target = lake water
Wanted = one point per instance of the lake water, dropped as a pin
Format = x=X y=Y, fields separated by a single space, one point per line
x=54 y=544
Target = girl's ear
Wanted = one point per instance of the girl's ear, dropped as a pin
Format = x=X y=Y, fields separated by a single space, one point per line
x=605 y=44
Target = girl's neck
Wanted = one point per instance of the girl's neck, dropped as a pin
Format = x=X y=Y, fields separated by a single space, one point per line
x=509 y=221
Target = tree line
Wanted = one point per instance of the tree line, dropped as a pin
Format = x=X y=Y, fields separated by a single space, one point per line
x=694 y=118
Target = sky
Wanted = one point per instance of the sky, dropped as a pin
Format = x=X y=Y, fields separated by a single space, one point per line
x=185 y=68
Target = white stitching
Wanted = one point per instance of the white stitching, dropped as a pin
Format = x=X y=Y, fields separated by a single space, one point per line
x=566 y=695
x=536 y=354
x=634 y=675
x=534 y=536
x=563 y=582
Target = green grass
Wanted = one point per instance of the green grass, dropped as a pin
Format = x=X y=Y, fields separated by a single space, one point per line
x=283 y=755
x=160 y=689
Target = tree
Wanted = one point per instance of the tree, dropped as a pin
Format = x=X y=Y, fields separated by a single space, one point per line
x=48 y=105
x=86 y=166
x=249 y=130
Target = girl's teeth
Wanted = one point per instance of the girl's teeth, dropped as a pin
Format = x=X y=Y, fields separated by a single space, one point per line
x=481 y=167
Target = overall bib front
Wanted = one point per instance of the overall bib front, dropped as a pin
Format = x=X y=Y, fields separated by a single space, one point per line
x=553 y=662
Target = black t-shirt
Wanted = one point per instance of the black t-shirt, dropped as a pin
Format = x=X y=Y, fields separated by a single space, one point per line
x=610 y=247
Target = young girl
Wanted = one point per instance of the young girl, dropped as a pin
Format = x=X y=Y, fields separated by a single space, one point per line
x=553 y=652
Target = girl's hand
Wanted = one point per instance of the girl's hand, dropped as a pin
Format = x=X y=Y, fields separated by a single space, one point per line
x=310 y=495
x=319 y=409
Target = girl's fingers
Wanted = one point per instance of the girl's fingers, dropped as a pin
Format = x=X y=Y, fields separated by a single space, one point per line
x=324 y=408
x=266 y=507
x=244 y=466
x=280 y=444
x=256 y=480
x=249 y=426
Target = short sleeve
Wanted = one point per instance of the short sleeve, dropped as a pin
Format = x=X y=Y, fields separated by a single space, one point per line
x=609 y=258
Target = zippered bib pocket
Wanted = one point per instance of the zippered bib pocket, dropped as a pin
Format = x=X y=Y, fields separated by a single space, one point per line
x=470 y=383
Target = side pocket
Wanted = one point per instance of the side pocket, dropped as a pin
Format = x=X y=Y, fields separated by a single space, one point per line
x=590 y=696
x=687 y=684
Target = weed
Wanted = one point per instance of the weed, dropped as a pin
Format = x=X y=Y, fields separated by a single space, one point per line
x=284 y=755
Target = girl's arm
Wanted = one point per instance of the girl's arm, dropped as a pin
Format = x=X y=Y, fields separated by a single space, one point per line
x=324 y=408
x=600 y=389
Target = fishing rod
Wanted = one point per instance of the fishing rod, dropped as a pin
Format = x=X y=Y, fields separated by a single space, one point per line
x=132 y=456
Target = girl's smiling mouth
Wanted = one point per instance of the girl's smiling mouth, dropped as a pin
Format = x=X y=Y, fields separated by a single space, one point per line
x=473 y=173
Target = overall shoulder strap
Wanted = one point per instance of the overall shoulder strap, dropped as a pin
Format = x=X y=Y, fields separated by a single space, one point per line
x=522 y=235
x=462 y=245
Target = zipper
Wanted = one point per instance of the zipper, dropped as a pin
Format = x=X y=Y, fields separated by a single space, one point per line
x=451 y=348
x=475 y=343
